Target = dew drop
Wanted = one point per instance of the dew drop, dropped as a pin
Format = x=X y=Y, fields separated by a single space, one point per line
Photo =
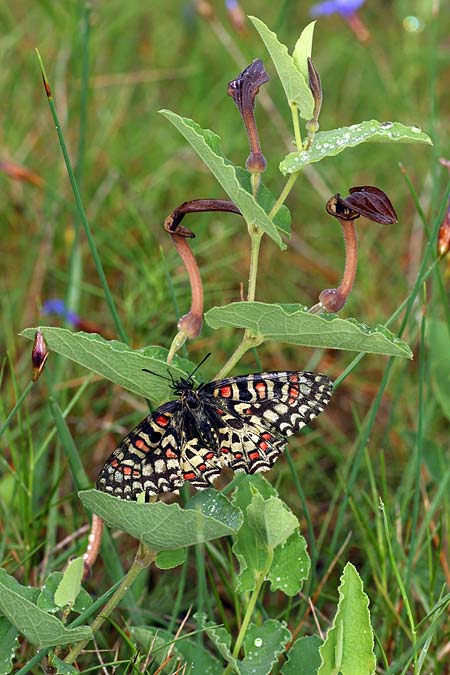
x=258 y=642
x=416 y=130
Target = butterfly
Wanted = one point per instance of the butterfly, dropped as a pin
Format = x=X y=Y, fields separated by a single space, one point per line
x=239 y=422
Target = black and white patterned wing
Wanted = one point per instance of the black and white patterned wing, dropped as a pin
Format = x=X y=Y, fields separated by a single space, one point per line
x=282 y=402
x=148 y=458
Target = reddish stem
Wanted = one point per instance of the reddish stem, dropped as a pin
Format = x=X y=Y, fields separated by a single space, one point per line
x=333 y=299
x=93 y=547
x=190 y=323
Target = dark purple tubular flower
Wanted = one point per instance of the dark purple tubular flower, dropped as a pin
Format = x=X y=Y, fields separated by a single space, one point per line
x=343 y=7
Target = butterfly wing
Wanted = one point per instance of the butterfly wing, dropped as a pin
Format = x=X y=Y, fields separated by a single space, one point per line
x=148 y=458
x=258 y=412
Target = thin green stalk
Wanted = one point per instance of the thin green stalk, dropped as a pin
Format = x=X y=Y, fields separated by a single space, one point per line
x=401 y=585
x=144 y=558
x=417 y=460
x=82 y=213
x=255 y=237
x=296 y=125
x=19 y=402
x=81 y=619
x=249 y=612
x=283 y=194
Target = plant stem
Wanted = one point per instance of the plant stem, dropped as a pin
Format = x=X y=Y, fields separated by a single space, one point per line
x=144 y=558
x=249 y=611
x=284 y=193
x=296 y=125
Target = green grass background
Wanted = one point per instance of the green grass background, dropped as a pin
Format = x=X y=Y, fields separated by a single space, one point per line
x=133 y=169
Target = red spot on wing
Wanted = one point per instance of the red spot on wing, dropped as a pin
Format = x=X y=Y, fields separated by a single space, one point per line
x=293 y=392
x=261 y=389
x=210 y=455
x=126 y=470
x=225 y=391
x=267 y=436
x=253 y=455
x=293 y=378
x=170 y=454
x=189 y=475
x=263 y=445
x=225 y=451
x=136 y=473
x=238 y=455
x=202 y=467
x=115 y=463
x=140 y=445
x=162 y=420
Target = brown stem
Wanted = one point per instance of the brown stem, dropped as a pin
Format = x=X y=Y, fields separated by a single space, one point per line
x=333 y=299
x=173 y=220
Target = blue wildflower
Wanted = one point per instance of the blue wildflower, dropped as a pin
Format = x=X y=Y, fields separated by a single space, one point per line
x=343 y=7
x=58 y=307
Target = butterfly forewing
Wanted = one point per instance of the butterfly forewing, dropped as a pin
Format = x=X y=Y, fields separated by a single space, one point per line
x=240 y=422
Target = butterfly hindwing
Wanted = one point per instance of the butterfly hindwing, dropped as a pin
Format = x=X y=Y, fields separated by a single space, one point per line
x=148 y=458
x=239 y=422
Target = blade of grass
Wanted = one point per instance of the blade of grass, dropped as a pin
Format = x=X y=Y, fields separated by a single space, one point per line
x=82 y=213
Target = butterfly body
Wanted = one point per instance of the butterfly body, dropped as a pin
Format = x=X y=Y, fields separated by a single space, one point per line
x=239 y=422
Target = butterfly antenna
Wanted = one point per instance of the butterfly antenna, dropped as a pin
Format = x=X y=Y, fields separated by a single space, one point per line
x=199 y=365
x=164 y=377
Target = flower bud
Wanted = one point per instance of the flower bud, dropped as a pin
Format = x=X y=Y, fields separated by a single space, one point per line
x=39 y=355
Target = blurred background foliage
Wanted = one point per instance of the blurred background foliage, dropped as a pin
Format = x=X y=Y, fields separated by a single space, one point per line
x=112 y=66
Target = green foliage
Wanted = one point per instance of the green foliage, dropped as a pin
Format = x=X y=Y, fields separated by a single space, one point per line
x=164 y=527
x=39 y=627
x=348 y=647
x=207 y=145
x=333 y=142
x=240 y=563
x=303 y=657
x=290 y=72
x=116 y=361
x=295 y=325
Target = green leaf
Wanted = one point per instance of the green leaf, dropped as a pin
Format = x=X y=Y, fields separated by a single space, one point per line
x=219 y=636
x=303 y=657
x=295 y=325
x=70 y=584
x=62 y=668
x=207 y=146
x=8 y=645
x=335 y=141
x=290 y=566
x=439 y=354
x=348 y=647
x=115 y=361
x=161 y=526
x=266 y=200
x=266 y=519
x=197 y=659
x=166 y=560
x=303 y=49
x=40 y=628
x=271 y=520
x=46 y=598
x=294 y=83
x=214 y=504
x=262 y=647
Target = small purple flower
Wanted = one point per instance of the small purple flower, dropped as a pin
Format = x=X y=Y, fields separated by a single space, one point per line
x=343 y=7
x=58 y=307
